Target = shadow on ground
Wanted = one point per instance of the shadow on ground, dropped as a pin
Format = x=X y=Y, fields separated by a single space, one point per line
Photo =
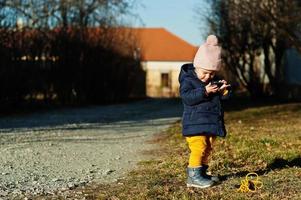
x=96 y=116
x=278 y=163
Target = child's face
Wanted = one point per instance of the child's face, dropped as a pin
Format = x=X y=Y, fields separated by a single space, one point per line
x=204 y=74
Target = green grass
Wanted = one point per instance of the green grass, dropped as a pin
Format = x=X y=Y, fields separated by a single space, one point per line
x=264 y=140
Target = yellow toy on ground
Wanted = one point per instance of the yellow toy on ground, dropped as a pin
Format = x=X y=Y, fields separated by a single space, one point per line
x=250 y=184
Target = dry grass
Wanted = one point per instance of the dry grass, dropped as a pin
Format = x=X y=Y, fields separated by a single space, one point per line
x=264 y=140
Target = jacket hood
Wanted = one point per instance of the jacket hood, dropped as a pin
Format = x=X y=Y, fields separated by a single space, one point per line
x=187 y=71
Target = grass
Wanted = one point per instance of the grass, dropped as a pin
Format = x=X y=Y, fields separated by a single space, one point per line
x=265 y=140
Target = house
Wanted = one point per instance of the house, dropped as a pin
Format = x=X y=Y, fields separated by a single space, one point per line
x=162 y=54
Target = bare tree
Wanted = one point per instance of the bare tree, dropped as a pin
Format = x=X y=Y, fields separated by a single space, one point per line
x=64 y=51
x=255 y=35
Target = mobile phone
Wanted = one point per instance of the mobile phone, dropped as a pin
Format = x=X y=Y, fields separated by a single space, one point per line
x=217 y=83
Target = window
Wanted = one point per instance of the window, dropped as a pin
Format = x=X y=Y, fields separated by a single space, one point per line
x=164 y=80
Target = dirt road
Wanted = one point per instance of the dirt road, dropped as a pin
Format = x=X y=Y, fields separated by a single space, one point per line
x=60 y=150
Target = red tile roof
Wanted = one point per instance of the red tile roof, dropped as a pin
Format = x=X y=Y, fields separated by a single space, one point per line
x=158 y=44
x=155 y=44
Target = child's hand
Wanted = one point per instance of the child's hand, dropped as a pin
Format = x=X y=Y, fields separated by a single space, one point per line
x=211 y=88
x=224 y=86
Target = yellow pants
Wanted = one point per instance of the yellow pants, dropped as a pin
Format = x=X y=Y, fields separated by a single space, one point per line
x=200 y=147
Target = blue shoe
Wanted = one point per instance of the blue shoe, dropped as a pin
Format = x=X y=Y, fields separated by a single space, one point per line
x=195 y=179
x=204 y=173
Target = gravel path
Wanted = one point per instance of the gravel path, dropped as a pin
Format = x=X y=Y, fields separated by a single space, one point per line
x=57 y=151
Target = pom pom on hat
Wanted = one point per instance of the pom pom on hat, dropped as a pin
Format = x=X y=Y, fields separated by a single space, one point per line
x=212 y=40
x=208 y=55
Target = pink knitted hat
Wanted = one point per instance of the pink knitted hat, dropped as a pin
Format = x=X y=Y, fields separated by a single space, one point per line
x=208 y=55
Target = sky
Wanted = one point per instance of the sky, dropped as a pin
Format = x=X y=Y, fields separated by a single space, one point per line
x=178 y=16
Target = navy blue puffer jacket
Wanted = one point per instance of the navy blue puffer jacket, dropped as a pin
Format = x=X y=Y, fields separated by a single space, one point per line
x=203 y=115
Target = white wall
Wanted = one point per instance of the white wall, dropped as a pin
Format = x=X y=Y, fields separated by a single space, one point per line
x=154 y=69
x=162 y=66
